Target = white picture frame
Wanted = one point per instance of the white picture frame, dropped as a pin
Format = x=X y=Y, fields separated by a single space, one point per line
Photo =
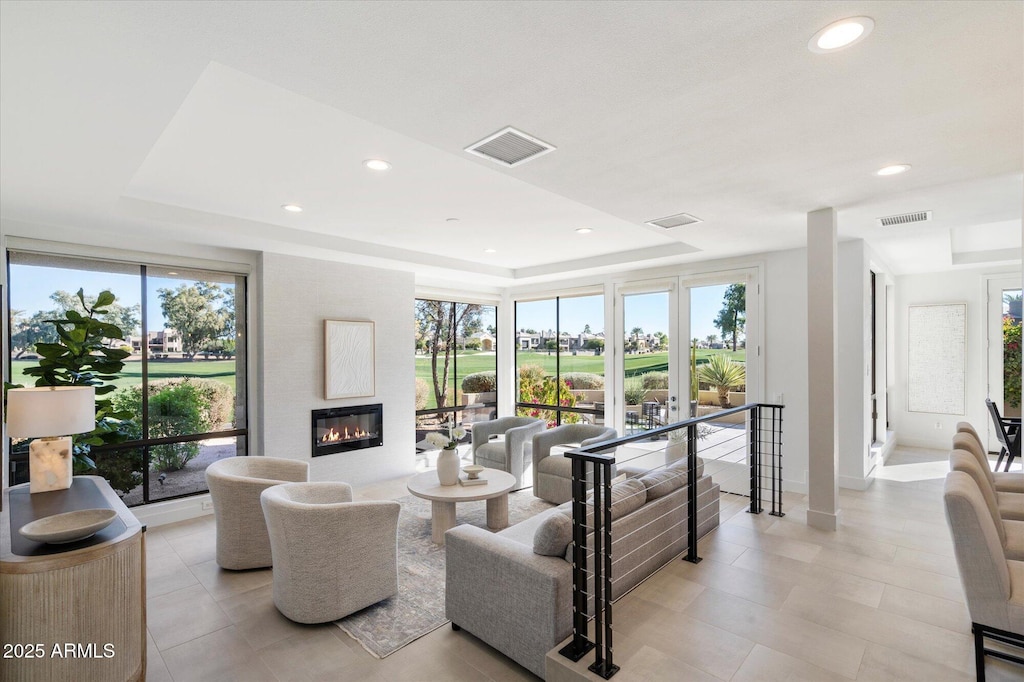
x=937 y=362
x=349 y=359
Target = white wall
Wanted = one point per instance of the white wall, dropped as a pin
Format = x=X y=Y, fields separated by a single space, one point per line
x=936 y=430
x=297 y=295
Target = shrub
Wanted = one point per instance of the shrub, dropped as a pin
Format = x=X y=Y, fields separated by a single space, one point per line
x=473 y=344
x=1011 y=361
x=584 y=381
x=722 y=373
x=176 y=411
x=219 y=398
x=653 y=381
x=531 y=374
x=480 y=382
x=422 y=393
x=634 y=391
x=177 y=407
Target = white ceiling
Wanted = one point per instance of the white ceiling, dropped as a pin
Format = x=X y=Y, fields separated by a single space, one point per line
x=196 y=121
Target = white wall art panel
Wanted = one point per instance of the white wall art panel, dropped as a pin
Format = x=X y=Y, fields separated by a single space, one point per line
x=348 y=359
x=936 y=367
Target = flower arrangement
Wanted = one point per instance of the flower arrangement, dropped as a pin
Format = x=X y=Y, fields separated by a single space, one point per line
x=440 y=440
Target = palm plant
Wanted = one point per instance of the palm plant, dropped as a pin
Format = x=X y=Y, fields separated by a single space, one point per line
x=722 y=373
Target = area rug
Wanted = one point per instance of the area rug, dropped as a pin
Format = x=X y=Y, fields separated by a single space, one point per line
x=418 y=608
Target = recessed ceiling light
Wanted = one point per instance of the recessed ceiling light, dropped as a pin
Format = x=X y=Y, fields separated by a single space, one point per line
x=490 y=250
x=292 y=208
x=893 y=170
x=171 y=273
x=377 y=164
x=840 y=34
x=584 y=230
x=451 y=220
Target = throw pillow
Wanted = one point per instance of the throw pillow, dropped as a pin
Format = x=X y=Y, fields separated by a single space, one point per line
x=553 y=535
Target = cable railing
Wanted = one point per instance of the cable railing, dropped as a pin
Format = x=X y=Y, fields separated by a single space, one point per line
x=688 y=470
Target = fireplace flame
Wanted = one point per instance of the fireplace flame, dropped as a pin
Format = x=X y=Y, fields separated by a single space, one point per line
x=334 y=435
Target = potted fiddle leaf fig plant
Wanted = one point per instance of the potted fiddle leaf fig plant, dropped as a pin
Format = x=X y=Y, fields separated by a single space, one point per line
x=84 y=356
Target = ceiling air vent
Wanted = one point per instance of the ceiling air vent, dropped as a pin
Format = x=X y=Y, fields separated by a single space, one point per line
x=905 y=218
x=510 y=147
x=677 y=220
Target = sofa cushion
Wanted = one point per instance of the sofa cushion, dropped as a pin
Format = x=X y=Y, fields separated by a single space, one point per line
x=627 y=497
x=553 y=535
x=661 y=482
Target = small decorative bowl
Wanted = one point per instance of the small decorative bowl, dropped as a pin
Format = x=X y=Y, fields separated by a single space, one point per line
x=473 y=471
x=69 y=526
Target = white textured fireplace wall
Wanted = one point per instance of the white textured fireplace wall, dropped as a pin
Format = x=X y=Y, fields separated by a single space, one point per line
x=297 y=295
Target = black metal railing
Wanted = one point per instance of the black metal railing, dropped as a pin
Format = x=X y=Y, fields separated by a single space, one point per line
x=758 y=447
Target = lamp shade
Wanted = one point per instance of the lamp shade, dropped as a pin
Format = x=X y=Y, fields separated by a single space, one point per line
x=47 y=411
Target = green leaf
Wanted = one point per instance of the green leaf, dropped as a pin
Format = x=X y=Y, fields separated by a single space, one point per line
x=104 y=299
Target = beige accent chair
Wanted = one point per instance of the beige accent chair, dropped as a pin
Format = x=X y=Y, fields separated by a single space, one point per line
x=1011 y=533
x=552 y=474
x=235 y=485
x=332 y=556
x=967 y=439
x=993 y=586
x=512 y=454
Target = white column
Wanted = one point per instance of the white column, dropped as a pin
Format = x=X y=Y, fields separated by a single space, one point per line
x=506 y=357
x=823 y=480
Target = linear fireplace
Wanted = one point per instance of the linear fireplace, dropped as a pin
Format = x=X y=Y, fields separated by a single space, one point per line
x=341 y=429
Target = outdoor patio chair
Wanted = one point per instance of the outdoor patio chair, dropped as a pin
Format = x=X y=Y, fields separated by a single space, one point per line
x=1000 y=481
x=1007 y=432
x=235 y=485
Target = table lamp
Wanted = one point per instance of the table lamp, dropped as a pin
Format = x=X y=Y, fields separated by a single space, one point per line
x=40 y=413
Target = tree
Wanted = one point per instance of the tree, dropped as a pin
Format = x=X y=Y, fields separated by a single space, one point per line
x=662 y=340
x=492 y=330
x=586 y=329
x=637 y=332
x=711 y=339
x=732 y=317
x=440 y=322
x=190 y=310
x=27 y=332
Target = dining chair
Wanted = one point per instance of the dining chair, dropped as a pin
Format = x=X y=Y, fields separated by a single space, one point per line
x=1007 y=432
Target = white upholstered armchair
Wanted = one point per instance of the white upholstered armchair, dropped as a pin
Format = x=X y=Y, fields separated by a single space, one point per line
x=332 y=556
x=552 y=476
x=511 y=454
x=235 y=485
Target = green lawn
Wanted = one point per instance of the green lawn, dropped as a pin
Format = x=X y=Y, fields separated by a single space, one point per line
x=635 y=364
x=221 y=370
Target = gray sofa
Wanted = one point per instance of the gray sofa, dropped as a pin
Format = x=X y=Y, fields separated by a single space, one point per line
x=513 y=589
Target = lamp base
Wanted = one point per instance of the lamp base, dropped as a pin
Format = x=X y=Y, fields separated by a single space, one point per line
x=49 y=464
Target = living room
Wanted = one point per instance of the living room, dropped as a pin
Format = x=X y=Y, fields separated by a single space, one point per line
x=179 y=139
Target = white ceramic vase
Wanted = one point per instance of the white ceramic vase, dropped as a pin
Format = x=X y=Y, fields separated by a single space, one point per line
x=448 y=466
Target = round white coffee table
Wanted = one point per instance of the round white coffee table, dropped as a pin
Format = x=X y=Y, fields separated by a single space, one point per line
x=444 y=497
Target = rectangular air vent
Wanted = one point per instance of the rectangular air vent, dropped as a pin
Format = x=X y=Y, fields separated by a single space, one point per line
x=510 y=147
x=905 y=218
x=677 y=220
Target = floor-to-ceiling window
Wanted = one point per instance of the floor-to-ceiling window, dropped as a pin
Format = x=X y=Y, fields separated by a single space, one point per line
x=560 y=363
x=456 y=364
x=183 y=384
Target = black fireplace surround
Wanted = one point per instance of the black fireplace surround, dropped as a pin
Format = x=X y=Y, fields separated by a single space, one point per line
x=341 y=429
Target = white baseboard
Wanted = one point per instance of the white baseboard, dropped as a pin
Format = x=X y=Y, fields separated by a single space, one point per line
x=822 y=520
x=161 y=513
x=855 y=483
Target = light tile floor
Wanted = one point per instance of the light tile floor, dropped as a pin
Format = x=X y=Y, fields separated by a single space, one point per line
x=773 y=600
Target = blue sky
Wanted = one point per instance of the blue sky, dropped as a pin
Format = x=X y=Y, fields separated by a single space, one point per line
x=647 y=311
x=32 y=285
